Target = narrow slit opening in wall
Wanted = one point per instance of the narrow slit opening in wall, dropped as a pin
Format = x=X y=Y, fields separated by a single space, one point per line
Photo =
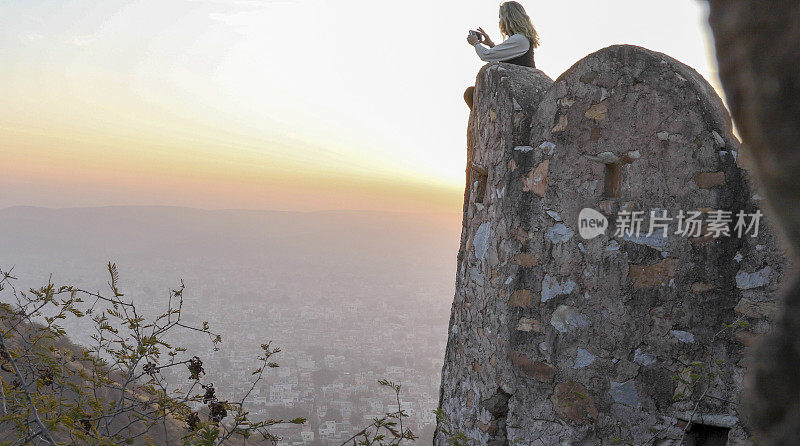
x=613 y=181
x=705 y=435
x=479 y=185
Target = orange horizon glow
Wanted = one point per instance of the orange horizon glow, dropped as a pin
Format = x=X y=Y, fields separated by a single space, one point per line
x=245 y=104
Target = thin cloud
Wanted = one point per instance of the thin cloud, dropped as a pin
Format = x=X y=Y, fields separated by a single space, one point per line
x=251 y=3
x=242 y=16
x=81 y=41
x=31 y=37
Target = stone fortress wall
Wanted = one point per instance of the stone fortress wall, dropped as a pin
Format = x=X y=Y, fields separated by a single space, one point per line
x=621 y=338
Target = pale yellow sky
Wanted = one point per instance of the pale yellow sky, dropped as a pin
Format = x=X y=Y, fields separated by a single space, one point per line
x=283 y=104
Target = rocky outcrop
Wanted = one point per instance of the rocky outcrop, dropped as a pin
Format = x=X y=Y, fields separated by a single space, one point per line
x=559 y=337
x=478 y=373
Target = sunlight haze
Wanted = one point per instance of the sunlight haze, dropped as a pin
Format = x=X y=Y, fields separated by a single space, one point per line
x=286 y=104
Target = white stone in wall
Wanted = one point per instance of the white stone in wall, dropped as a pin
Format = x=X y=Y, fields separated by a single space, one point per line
x=625 y=393
x=718 y=139
x=746 y=281
x=554 y=215
x=683 y=336
x=583 y=358
x=559 y=233
x=481 y=241
x=654 y=240
x=476 y=276
x=642 y=358
x=548 y=146
x=552 y=287
x=567 y=318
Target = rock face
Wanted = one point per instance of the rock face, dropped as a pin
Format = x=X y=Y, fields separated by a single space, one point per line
x=620 y=338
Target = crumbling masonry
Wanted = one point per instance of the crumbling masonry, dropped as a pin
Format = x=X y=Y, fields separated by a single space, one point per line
x=618 y=339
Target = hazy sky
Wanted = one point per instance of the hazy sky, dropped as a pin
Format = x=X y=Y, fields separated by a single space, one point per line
x=283 y=104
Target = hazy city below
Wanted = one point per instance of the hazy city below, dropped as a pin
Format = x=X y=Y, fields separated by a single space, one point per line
x=351 y=297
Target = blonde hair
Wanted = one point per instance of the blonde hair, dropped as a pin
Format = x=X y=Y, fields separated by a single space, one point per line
x=514 y=20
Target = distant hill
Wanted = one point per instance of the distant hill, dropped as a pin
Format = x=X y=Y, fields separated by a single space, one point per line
x=189 y=242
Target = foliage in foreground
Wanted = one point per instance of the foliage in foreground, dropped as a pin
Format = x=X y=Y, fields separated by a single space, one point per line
x=387 y=430
x=111 y=392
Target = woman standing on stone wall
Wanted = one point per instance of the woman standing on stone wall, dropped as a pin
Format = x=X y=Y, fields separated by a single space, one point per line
x=517 y=48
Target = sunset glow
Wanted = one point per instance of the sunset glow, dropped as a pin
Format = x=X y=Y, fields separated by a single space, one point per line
x=297 y=104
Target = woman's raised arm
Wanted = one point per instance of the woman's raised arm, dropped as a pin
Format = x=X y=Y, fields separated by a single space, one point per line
x=514 y=46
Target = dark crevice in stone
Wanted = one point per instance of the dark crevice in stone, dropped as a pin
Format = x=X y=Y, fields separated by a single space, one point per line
x=705 y=435
x=612 y=181
x=479 y=178
x=497 y=406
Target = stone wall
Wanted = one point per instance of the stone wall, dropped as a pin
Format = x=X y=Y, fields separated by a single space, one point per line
x=617 y=339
